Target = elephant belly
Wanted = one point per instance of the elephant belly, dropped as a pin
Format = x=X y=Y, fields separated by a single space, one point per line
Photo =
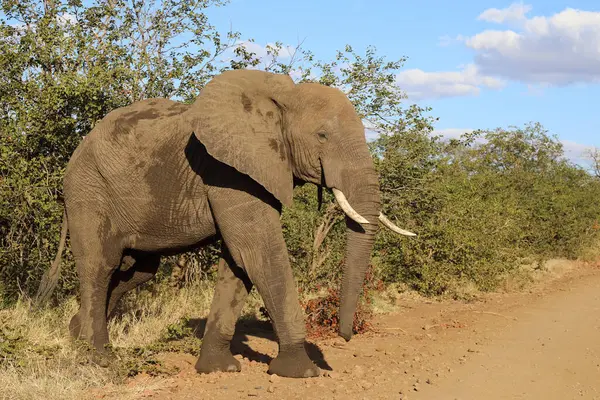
x=172 y=213
x=165 y=230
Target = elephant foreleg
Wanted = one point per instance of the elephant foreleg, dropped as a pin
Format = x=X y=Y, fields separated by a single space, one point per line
x=252 y=231
x=231 y=290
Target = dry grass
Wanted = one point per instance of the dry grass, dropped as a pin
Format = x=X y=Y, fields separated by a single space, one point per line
x=33 y=373
x=591 y=253
x=147 y=314
x=39 y=360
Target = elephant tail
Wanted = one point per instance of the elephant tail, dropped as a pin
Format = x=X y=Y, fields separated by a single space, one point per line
x=50 y=278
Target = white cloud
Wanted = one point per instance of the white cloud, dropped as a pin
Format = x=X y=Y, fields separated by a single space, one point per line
x=371 y=132
x=577 y=152
x=419 y=84
x=447 y=40
x=515 y=12
x=66 y=18
x=560 y=49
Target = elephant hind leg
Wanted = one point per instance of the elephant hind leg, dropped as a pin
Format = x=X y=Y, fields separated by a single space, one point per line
x=231 y=290
x=97 y=256
x=143 y=269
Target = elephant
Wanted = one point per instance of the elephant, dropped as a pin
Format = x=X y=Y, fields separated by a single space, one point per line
x=160 y=177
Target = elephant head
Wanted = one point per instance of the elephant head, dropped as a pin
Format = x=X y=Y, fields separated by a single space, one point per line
x=266 y=126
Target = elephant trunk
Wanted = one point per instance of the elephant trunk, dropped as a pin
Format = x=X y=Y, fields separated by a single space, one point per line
x=363 y=195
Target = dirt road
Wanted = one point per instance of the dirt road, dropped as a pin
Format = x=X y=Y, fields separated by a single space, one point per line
x=552 y=351
x=539 y=345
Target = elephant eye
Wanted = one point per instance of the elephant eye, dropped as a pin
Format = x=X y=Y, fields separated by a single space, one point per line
x=322 y=136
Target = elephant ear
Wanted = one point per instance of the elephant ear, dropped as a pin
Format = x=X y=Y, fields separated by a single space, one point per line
x=238 y=117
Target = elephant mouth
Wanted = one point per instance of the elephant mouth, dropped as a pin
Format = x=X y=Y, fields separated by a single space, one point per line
x=344 y=204
x=356 y=217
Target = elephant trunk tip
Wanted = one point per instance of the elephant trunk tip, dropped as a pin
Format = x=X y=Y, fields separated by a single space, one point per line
x=345 y=333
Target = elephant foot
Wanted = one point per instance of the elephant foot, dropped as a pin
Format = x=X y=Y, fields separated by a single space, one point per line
x=293 y=362
x=98 y=353
x=102 y=358
x=214 y=360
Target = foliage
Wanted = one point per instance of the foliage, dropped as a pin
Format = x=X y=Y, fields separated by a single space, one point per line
x=480 y=204
x=63 y=66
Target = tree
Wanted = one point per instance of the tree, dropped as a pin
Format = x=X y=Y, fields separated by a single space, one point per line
x=63 y=66
x=594 y=156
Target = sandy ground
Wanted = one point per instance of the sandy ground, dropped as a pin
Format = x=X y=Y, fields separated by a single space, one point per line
x=543 y=344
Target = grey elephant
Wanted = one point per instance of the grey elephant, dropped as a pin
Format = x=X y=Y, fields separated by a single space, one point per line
x=160 y=177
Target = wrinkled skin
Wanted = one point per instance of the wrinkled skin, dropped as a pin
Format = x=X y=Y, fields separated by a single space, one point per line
x=161 y=177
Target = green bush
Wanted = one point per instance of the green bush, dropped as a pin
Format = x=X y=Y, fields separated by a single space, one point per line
x=481 y=205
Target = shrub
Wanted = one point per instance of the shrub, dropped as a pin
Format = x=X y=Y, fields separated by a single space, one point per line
x=481 y=206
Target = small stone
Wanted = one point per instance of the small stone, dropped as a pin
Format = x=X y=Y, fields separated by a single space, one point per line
x=331 y=374
x=274 y=378
x=429 y=381
x=252 y=394
x=366 y=385
x=271 y=389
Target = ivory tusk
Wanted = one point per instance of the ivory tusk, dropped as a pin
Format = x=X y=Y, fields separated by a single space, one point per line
x=350 y=212
x=389 y=224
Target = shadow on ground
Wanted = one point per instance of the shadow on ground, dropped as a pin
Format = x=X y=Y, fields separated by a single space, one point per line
x=247 y=327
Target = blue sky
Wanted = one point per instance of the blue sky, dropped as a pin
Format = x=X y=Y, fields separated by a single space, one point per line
x=479 y=64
